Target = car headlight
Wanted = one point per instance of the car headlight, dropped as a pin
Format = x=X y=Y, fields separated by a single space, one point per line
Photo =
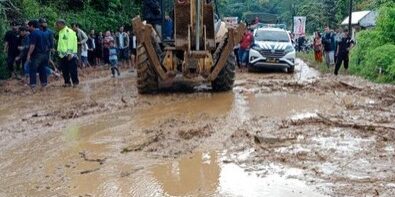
x=289 y=49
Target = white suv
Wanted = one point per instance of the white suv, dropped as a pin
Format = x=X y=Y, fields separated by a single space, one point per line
x=272 y=49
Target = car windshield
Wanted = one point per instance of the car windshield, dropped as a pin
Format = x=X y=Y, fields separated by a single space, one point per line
x=272 y=36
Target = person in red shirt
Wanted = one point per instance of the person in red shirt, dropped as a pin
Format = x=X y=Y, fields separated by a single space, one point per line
x=246 y=42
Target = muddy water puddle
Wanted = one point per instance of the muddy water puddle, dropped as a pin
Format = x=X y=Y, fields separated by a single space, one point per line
x=191 y=106
x=204 y=174
x=200 y=174
x=284 y=104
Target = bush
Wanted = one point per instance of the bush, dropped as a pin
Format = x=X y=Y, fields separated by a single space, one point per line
x=368 y=40
x=3 y=65
x=373 y=57
x=380 y=64
x=386 y=24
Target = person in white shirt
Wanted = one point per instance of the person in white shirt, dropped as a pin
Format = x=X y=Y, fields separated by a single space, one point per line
x=122 y=42
x=133 y=50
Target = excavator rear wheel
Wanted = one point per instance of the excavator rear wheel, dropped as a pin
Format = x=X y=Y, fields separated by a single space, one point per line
x=147 y=79
x=226 y=78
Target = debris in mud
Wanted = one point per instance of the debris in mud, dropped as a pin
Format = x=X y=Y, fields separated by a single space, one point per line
x=270 y=140
x=100 y=161
x=335 y=150
x=123 y=100
x=366 y=126
x=198 y=132
x=141 y=145
x=338 y=122
x=89 y=171
x=348 y=85
x=126 y=174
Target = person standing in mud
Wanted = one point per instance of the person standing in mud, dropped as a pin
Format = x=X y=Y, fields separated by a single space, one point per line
x=343 y=50
x=49 y=38
x=113 y=58
x=37 y=55
x=328 y=41
x=11 y=48
x=133 y=50
x=99 y=48
x=67 y=49
x=106 y=45
x=122 y=42
x=24 y=41
x=91 y=48
x=317 y=45
x=246 y=42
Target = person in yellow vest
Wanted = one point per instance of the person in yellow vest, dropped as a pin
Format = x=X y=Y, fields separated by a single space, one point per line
x=67 y=50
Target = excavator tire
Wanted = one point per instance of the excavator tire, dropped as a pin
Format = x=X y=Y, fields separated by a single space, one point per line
x=147 y=79
x=226 y=78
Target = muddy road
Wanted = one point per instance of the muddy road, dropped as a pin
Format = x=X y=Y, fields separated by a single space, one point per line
x=275 y=134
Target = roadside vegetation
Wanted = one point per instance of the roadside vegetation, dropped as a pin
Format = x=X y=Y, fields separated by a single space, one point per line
x=101 y=15
x=373 y=56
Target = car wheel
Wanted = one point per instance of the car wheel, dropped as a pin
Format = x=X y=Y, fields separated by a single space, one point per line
x=291 y=69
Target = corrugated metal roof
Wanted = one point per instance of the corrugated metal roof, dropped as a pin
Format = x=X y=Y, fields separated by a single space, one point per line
x=356 y=17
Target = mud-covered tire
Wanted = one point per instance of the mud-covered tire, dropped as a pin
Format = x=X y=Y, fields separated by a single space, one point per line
x=226 y=78
x=291 y=69
x=251 y=69
x=147 y=79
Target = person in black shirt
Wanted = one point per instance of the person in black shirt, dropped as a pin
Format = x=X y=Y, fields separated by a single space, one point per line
x=23 y=47
x=343 y=50
x=99 y=47
x=91 y=48
x=11 y=48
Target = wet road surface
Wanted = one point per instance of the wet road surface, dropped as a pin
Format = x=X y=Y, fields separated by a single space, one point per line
x=276 y=134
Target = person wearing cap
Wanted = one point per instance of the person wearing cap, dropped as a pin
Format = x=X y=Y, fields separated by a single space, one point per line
x=37 y=55
x=67 y=49
x=11 y=48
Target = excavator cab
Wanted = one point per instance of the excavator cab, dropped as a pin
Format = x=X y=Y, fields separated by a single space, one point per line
x=200 y=49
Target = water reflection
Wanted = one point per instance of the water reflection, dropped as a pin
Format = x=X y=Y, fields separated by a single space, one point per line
x=189 y=176
x=203 y=174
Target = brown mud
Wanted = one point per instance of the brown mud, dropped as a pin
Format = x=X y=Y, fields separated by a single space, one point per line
x=275 y=134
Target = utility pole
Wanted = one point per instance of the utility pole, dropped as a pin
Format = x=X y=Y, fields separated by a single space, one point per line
x=293 y=15
x=350 y=19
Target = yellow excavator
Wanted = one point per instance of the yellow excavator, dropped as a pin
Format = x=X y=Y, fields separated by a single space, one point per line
x=201 y=49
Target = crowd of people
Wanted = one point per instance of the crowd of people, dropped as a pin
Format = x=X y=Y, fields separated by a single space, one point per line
x=34 y=49
x=334 y=46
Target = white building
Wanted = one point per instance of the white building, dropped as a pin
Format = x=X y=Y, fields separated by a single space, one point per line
x=361 y=20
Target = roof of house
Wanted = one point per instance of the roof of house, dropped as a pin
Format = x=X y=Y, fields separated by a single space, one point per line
x=356 y=17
